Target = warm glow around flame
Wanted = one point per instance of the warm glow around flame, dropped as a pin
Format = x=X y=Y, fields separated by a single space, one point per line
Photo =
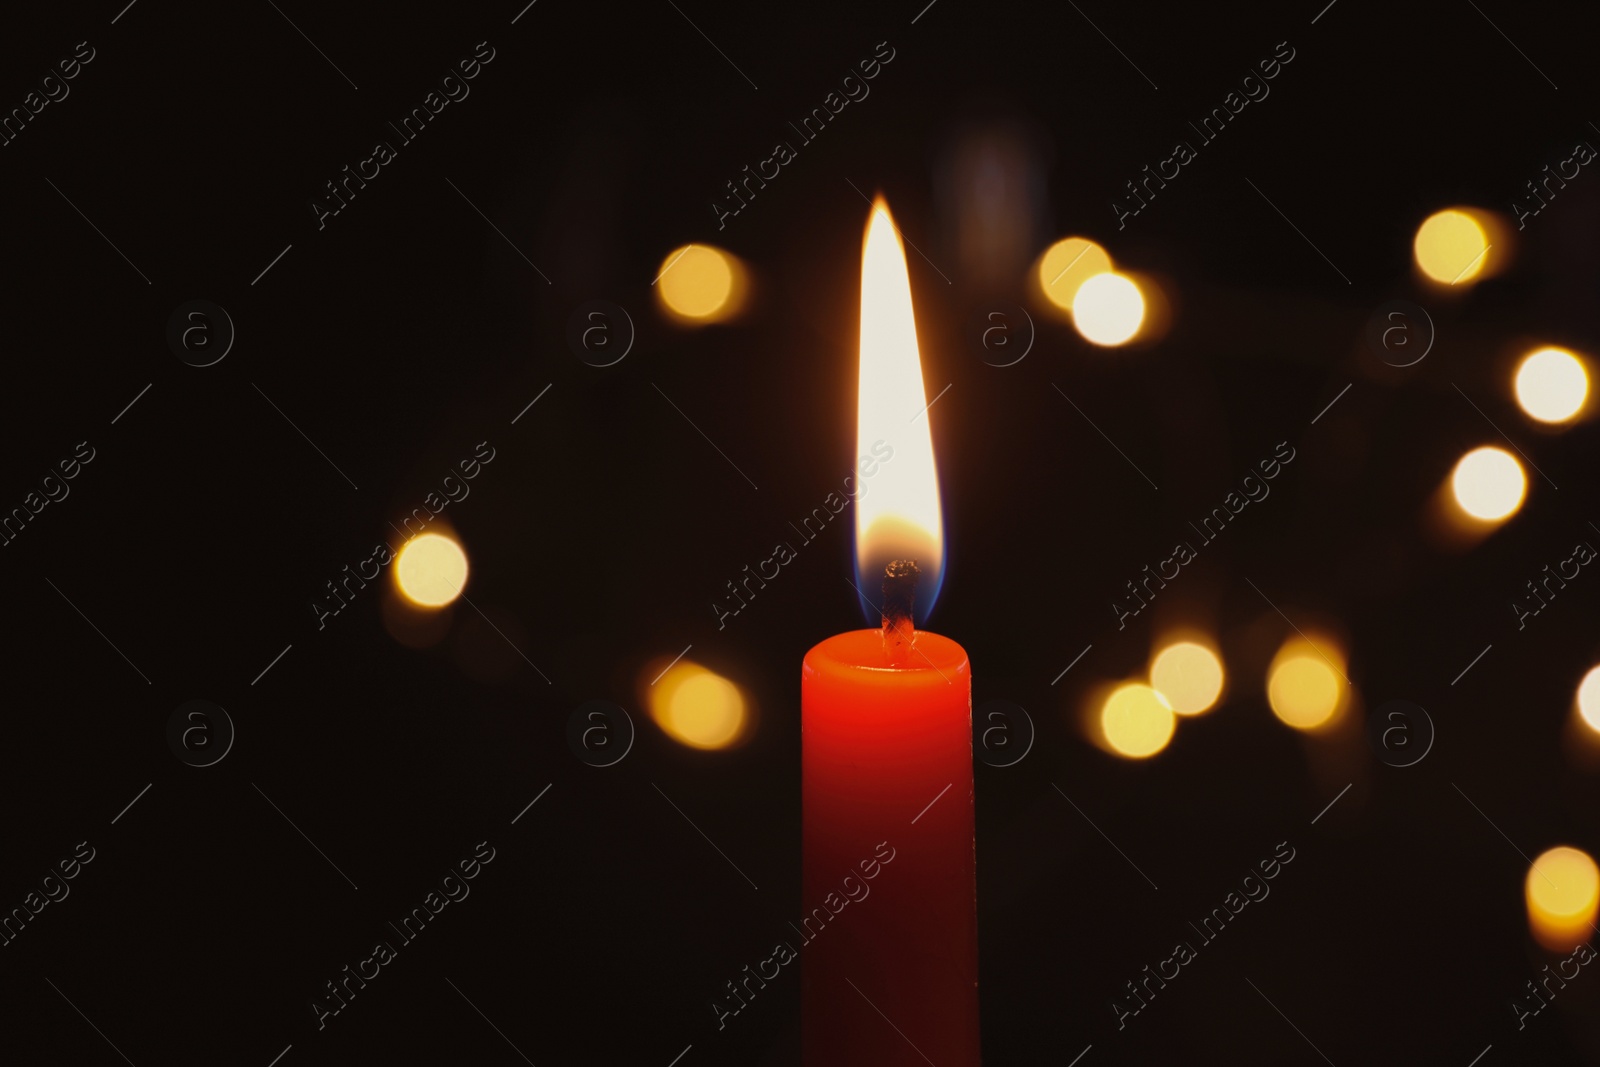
x=897 y=509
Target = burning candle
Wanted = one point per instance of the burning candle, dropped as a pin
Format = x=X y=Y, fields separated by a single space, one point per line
x=890 y=958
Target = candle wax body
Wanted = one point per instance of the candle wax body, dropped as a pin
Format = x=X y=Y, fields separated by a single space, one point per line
x=890 y=923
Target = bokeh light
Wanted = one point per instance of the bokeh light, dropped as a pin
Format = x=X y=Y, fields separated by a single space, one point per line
x=1451 y=247
x=1488 y=483
x=699 y=283
x=1552 y=385
x=1563 y=890
x=1305 y=684
x=697 y=707
x=1188 y=675
x=1589 y=699
x=1066 y=265
x=1108 y=309
x=431 y=570
x=1137 y=721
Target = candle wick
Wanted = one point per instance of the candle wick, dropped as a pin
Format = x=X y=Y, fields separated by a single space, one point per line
x=899 y=595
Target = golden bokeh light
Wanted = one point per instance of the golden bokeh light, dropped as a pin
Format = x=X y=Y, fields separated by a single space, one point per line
x=1305 y=685
x=697 y=707
x=1488 y=484
x=1108 y=309
x=1451 y=247
x=1137 y=721
x=1552 y=385
x=1589 y=699
x=431 y=570
x=699 y=283
x=1188 y=675
x=1066 y=265
x=1563 y=891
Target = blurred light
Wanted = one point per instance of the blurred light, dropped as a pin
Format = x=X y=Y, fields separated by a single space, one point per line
x=1488 y=483
x=697 y=707
x=1563 y=888
x=1303 y=688
x=1108 y=309
x=699 y=283
x=1137 y=721
x=1066 y=265
x=1188 y=675
x=1589 y=699
x=431 y=570
x=1552 y=385
x=992 y=194
x=1451 y=247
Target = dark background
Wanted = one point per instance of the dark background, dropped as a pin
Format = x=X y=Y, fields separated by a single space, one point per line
x=408 y=330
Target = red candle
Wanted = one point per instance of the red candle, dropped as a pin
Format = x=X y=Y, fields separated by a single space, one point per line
x=890 y=931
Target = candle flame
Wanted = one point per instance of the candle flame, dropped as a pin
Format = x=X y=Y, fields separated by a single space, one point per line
x=897 y=508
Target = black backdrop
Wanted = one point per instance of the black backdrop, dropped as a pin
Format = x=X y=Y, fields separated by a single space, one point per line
x=411 y=327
